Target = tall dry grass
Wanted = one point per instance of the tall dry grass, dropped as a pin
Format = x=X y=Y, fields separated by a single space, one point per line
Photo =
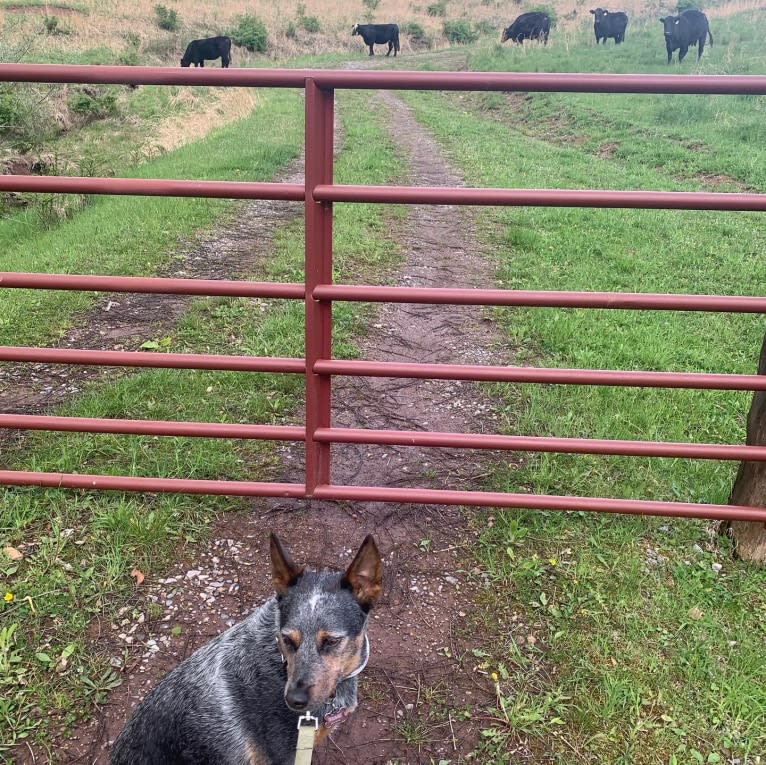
x=199 y=116
x=113 y=23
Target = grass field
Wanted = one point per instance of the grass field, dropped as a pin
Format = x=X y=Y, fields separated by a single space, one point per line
x=653 y=637
x=645 y=638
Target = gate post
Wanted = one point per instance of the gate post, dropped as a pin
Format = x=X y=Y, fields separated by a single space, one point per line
x=750 y=484
x=319 y=124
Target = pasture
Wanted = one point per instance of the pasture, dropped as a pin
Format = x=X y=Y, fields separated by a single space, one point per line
x=641 y=640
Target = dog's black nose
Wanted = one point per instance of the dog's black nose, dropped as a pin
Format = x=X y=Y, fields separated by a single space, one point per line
x=298 y=698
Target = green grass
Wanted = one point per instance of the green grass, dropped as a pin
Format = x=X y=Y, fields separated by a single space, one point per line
x=75 y=575
x=611 y=639
x=649 y=654
x=40 y=4
x=146 y=227
x=618 y=640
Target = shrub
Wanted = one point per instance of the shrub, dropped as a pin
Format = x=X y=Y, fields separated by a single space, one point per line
x=549 y=10
x=9 y=108
x=291 y=32
x=250 y=33
x=685 y=5
x=414 y=30
x=52 y=27
x=26 y=110
x=437 y=9
x=485 y=27
x=310 y=23
x=128 y=57
x=167 y=18
x=371 y=5
x=93 y=104
x=459 y=32
x=418 y=36
x=25 y=115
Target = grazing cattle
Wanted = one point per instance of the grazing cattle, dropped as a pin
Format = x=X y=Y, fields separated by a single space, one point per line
x=606 y=24
x=199 y=51
x=681 y=32
x=378 y=34
x=528 y=26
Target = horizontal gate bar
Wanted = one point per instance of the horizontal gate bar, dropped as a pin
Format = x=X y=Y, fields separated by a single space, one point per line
x=445 y=195
x=153 y=427
x=546 y=298
x=153 y=360
x=150 y=485
x=540 y=444
x=383 y=494
x=604 y=198
x=383 y=437
x=542 y=375
x=565 y=82
x=383 y=294
x=540 y=502
x=152 y=284
x=151 y=187
x=387 y=369
x=562 y=82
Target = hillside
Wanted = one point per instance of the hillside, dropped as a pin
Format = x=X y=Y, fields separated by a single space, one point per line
x=68 y=30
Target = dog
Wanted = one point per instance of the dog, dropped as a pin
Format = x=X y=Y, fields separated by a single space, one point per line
x=238 y=699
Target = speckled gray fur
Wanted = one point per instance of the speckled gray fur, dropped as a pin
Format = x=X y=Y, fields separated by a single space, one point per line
x=227 y=699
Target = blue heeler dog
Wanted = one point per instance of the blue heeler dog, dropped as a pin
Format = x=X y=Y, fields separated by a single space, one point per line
x=237 y=700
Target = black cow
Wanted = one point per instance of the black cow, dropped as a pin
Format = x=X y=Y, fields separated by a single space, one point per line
x=528 y=26
x=606 y=24
x=199 y=51
x=681 y=32
x=378 y=34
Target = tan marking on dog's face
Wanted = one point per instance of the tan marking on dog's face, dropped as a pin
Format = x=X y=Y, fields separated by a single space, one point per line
x=289 y=647
x=254 y=756
x=329 y=640
x=336 y=662
x=352 y=656
x=291 y=639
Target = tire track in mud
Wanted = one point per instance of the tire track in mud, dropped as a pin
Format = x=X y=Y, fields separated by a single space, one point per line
x=122 y=321
x=428 y=594
x=421 y=630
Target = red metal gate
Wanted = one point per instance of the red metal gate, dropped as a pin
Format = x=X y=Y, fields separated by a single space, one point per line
x=319 y=193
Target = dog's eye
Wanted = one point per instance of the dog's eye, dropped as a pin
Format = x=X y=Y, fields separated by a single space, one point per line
x=331 y=642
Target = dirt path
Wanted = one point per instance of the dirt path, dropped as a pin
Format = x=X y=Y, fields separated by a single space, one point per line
x=415 y=682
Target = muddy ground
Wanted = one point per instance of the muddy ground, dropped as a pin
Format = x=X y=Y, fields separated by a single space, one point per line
x=424 y=695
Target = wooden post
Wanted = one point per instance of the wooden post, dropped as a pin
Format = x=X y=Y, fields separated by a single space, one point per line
x=750 y=484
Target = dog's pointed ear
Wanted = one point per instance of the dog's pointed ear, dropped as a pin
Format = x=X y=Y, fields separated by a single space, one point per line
x=283 y=571
x=365 y=574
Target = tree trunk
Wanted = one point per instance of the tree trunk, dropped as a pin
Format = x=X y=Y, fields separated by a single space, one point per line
x=750 y=484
